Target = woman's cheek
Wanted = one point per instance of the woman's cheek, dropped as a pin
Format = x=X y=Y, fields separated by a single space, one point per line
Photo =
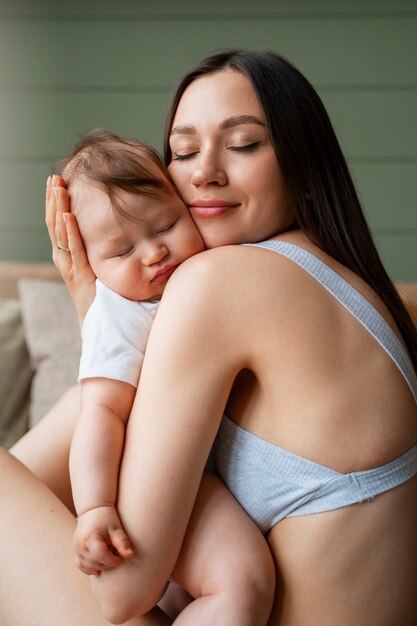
x=179 y=176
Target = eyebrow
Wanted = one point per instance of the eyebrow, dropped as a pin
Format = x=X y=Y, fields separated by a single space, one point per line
x=229 y=122
x=116 y=240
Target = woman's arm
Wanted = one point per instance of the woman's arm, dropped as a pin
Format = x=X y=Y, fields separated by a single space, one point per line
x=68 y=251
x=193 y=356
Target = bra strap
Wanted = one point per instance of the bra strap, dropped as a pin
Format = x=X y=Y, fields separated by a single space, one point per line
x=353 y=301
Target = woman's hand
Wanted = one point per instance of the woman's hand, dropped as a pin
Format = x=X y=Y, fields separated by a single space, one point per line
x=68 y=252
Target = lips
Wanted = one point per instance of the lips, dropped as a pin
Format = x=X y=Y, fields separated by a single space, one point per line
x=164 y=273
x=211 y=208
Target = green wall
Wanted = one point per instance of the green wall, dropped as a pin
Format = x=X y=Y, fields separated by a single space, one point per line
x=69 y=66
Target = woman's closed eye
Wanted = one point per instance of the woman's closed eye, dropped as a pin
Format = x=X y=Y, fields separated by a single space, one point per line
x=247 y=147
x=182 y=157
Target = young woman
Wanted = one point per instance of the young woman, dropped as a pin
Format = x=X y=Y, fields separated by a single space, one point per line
x=301 y=341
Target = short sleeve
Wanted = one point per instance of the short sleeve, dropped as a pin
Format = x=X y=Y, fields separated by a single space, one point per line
x=115 y=333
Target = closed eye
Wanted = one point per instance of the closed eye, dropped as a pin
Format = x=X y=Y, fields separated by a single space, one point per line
x=166 y=228
x=126 y=252
x=247 y=147
x=183 y=157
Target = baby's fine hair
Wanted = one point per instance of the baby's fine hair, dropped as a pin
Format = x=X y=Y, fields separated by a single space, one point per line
x=115 y=164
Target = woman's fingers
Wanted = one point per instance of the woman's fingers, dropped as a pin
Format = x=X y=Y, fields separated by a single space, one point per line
x=56 y=202
x=58 y=181
x=61 y=253
x=61 y=236
x=50 y=210
x=62 y=203
x=82 y=284
x=75 y=244
x=68 y=252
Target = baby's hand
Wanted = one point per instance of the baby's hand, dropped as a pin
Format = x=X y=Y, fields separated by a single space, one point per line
x=100 y=541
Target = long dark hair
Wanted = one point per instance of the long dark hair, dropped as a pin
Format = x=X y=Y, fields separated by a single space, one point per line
x=318 y=181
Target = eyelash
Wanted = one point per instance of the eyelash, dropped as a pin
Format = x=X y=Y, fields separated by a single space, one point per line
x=125 y=253
x=245 y=148
x=164 y=230
x=183 y=157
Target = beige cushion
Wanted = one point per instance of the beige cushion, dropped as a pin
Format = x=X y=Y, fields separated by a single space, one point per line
x=53 y=339
x=15 y=374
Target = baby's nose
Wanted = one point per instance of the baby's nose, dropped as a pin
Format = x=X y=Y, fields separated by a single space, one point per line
x=154 y=253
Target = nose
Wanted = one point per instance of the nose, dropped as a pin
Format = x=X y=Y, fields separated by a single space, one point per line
x=208 y=170
x=153 y=252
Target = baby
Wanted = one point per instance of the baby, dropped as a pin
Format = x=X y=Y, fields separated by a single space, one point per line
x=136 y=231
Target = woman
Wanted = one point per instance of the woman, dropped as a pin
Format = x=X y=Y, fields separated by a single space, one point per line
x=314 y=399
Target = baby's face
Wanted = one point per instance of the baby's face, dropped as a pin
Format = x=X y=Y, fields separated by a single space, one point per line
x=134 y=258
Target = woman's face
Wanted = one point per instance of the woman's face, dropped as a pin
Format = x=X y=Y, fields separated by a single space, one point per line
x=223 y=163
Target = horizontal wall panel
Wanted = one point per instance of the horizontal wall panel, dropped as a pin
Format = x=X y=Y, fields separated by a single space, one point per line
x=373 y=125
x=45 y=125
x=67 y=67
x=44 y=55
x=25 y=245
x=23 y=195
x=184 y=8
x=388 y=192
x=399 y=255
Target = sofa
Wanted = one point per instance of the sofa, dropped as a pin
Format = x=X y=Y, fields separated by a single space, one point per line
x=40 y=343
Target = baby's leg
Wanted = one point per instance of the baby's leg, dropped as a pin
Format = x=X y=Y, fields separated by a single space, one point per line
x=225 y=563
x=45 y=448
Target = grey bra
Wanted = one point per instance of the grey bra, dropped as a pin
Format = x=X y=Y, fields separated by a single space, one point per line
x=271 y=483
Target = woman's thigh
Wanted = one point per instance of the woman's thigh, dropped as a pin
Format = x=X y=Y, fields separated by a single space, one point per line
x=39 y=582
x=45 y=448
x=356 y=565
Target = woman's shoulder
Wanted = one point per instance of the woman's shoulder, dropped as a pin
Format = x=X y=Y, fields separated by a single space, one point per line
x=234 y=283
x=207 y=276
x=229 y=258
x=209 y=303
x=239 y=270
x=228 y=268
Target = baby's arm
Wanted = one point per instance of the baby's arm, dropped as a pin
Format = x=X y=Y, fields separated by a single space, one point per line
x=96 y=450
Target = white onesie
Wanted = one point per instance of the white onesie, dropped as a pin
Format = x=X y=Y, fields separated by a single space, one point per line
x=115 y=333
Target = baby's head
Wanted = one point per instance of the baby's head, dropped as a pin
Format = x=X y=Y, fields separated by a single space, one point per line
x=135 y=227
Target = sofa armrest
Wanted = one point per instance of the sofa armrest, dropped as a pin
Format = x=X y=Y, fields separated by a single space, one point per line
x=11 y=272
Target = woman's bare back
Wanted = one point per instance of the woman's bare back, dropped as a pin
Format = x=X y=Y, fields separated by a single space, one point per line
x=329 y=393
